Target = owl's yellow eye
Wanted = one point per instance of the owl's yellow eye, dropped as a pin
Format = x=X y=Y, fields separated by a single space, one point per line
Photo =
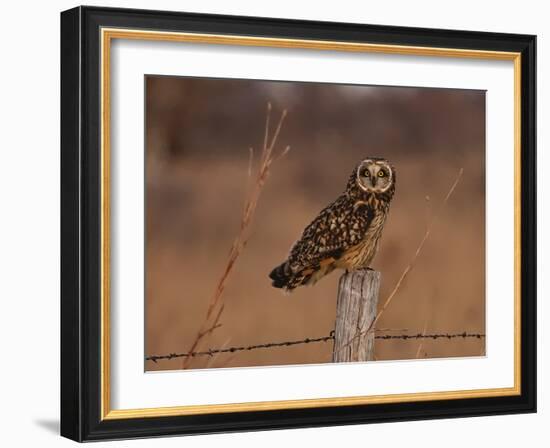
x=381 y=173
x=366 y=173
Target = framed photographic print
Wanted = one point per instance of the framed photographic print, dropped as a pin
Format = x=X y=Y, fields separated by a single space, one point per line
x=275 y=224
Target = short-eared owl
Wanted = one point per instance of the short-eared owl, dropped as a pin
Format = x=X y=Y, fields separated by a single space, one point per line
x=346 y=233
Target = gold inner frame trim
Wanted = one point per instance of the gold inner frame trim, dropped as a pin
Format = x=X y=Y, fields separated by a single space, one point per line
x=107 y=35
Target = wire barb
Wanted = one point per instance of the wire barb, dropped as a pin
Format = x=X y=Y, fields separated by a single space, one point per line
x=330 y=337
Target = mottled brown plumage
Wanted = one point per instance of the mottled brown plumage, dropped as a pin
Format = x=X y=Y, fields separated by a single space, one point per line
x=346 y=233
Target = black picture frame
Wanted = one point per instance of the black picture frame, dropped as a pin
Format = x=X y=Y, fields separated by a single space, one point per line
x=81 y=226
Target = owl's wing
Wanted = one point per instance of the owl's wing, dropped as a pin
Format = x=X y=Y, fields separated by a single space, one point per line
x=336 y=229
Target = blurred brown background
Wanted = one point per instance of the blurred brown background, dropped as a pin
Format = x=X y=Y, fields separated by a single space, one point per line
x=198 y=135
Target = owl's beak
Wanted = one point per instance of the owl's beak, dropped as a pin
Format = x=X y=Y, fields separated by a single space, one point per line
x=373 y=181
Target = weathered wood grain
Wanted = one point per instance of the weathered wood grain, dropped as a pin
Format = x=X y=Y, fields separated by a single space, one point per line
x=355 y=311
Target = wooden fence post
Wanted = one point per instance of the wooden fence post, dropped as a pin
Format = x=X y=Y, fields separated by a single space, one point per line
x=355 y=311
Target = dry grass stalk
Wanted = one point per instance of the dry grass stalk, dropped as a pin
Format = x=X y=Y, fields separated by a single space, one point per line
x=411 y=264
x=253 y=192
x=212 y=360
x=422 y=340
x=226 y=362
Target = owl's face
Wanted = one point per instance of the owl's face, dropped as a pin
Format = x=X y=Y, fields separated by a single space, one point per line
x=375 y=175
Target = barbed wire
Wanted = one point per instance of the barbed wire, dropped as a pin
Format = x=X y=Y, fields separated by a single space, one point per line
x=330 y=337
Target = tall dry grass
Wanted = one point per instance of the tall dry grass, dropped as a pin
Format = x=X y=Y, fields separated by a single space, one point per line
x=254 y=186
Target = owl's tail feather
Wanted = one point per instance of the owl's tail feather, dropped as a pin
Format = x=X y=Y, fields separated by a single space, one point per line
x=284 y=277
x=281 y=276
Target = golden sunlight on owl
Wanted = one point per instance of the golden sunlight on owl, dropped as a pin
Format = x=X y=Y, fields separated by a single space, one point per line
x=346 y=233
